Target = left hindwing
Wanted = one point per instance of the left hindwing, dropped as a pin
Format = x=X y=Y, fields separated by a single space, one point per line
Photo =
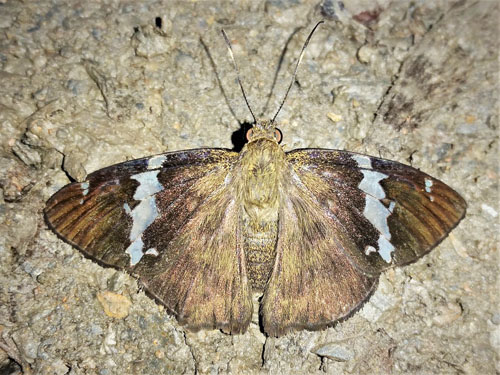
x=393 y=212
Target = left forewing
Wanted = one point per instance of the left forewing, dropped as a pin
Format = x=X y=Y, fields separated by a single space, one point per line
x=172 y=221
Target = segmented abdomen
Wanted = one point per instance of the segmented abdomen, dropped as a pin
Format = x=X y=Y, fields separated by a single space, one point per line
x=260 y=251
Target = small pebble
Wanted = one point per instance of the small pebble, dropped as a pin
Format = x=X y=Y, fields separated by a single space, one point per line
x=114 y=305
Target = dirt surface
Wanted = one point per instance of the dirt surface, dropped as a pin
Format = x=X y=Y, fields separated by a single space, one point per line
x=85 y=85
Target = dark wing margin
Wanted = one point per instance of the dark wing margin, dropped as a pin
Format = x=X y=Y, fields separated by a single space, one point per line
x=172 y=221
x=344 y=218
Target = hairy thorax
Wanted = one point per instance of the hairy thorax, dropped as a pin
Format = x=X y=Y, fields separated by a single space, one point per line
x=261 y=166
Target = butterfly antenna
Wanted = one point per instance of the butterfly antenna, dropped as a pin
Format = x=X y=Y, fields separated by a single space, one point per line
x=296 y=68
x=230 y=48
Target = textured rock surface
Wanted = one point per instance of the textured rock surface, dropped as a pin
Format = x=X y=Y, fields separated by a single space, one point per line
x=85 y=86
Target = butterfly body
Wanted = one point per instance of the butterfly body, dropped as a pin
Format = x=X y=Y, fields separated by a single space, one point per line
x=259 y=181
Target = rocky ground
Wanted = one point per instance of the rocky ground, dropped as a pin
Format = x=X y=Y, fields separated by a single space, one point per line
x=85 y=85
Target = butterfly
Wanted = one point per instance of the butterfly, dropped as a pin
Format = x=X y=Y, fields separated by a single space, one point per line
x=310 y=230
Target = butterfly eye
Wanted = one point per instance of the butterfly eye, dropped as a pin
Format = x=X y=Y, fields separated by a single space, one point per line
x=278 y=135
x=249 y=134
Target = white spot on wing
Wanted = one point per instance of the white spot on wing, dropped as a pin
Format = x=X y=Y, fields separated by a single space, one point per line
x=148 y=184
x=385 y=249
x=370 y=183
x=152 y=251
x=375 y=211
x=156 y=161
x=85 y=187
x=428 y=185
x=370 y=249
x=144 y=214
x=135 y=251
x=363 y=161
x=142 y=217
x=377 y=214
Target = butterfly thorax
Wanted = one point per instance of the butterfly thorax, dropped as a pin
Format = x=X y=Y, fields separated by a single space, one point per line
x=261 y=164
x=260 y=173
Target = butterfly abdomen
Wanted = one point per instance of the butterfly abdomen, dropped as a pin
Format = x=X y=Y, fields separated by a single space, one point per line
x=259 y=241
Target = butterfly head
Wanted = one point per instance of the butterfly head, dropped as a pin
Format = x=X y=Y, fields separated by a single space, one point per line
x=264 y=130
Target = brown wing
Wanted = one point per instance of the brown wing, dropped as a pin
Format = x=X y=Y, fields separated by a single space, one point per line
x=314 y=282
x=202 y=278
x=345 y=218
x=394 y=213
x=171 y=220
